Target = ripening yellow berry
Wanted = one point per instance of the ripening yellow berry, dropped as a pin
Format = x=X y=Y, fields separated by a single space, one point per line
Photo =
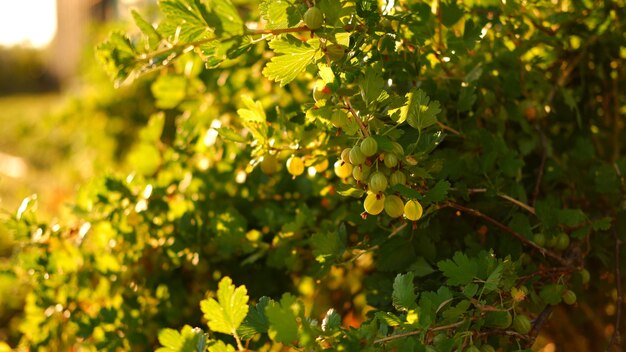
x=295 y=165
x=413 y=210
x=269 y=164
x=394 y=206
x=374 y=203
x=321 y=166
x=343 y=169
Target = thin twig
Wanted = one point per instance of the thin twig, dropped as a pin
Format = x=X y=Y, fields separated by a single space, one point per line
x=524 y=206
x=506 y=197
x=417 y=332
x=616 y=339
x=278 y=31
x=539 y=321
x=398 y=229
x=449 y=129
x=517 y=235
x=356 y=117
x=542 y=165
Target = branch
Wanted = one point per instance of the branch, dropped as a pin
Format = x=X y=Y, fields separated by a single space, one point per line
x=539 y=321
x=520 y=204
x=616 y=339
x=450 y=129
x=397 y=230
x=356 y=117
x=542 y=165
x=278 y=31
x=517 y=235
x=417 y=332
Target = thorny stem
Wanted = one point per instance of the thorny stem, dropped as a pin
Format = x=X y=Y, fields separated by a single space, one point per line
x=417 y=332
x=517 y=235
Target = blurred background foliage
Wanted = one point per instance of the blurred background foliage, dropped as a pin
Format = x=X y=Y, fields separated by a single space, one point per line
x=59 y=127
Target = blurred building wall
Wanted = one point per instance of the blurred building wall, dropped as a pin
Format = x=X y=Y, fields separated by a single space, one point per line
x=73 y=18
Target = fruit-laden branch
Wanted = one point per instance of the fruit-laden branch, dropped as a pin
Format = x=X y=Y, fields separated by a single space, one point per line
x=520 y=237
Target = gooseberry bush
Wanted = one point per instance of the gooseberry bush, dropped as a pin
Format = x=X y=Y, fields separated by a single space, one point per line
x=351 y=176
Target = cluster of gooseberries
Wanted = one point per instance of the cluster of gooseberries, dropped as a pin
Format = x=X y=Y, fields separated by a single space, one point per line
x=374 y=172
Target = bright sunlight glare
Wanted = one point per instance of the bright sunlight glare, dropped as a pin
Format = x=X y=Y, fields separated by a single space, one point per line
x=27 y=22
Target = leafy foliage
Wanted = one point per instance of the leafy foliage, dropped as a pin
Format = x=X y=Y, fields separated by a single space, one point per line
x=476 y=112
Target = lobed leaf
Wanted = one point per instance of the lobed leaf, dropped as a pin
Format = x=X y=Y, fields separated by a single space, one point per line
x=229 y=310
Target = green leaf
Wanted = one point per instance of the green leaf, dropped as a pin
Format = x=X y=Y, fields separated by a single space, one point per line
x=602 y=224
x=322 y=115
x=384 y=143
x=519 y=223
x=455 y=313
x=169 y=91
x=421 y=267
x=372 y=84
x=348 y=191
x=228 y=312
x=571 y=217
x=154 y=38
x=256 y=322
x=279 y=14
x=154 y=129
x=186 y=340
x=117 y=55
x=332 y=10
x=283 y=325
x=467 y=98
x=228 y=19
x=404 y=297
x=145 y=158
x=548 y=211
x=297 y=55
x=460 y=270
x=418 y=111
x=388 y=318
x=326 y=245
x=326 y=73
x=229 y=134
x=186 y=20
x=494 y=279
x=220 y=346
x=331 y=321
x=254 y=111
x=438 y=193
x=406 y=192
x=451 y=13
x=552 y=293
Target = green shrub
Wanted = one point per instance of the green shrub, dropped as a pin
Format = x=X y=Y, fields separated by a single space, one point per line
x=504 y=121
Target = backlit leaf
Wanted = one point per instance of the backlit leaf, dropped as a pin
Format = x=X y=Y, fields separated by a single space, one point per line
x=229 y=310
